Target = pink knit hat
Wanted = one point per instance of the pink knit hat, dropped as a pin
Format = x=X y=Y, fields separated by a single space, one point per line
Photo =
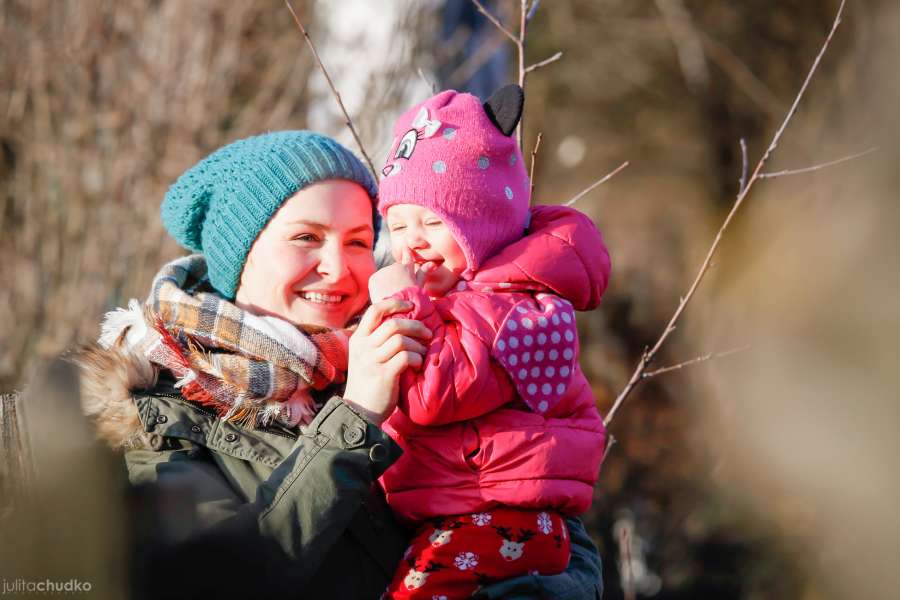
x=457 y=157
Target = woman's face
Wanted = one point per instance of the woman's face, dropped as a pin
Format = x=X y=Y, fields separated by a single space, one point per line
x=312 y=262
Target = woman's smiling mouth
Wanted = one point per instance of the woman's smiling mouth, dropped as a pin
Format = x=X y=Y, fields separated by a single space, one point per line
x=322 y=298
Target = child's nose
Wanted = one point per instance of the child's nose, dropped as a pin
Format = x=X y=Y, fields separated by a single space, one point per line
x=416 y=240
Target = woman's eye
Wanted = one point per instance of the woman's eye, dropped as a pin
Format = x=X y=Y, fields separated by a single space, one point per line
x=407 y=144
x=360 y=243
x=433 y=223
x=397 y=227
x=304 y=237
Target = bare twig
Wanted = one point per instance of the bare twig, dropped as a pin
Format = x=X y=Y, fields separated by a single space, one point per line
x=590 y=188
x=693 y=361
x=534 y=152
x=337 y=95
x=523 y=23
x=544 y=62
x=744 y=166
x=610 y=442
x=670 y=327
x=817 y=167
x=495 y=21
x=519 y=41
x=531 y=11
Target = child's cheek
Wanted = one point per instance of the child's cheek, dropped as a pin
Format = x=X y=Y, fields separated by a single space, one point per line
x=396 y=246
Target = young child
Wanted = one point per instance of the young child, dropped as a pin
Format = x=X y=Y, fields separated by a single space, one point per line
x=499 y=428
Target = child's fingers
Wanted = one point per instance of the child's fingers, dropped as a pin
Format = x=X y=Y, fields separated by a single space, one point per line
x=426 y=270
x=406 y=257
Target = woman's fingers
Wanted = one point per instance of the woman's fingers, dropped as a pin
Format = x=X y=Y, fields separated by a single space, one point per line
x=407 y=327
x=379 y=311
x=402 y=361
x=399 y=343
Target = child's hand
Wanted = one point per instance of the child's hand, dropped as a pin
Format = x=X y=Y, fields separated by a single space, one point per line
x=390 y=280
x=396 y=277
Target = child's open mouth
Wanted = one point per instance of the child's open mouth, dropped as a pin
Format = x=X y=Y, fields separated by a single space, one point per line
x=428 y=266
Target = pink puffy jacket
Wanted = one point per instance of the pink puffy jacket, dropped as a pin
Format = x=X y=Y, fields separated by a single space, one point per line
x=500 y=412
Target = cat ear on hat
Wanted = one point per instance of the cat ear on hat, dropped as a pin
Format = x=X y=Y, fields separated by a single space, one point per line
x=504 y=108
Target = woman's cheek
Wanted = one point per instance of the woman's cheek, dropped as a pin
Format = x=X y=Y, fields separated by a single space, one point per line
x=289 y=272
x=364 y=268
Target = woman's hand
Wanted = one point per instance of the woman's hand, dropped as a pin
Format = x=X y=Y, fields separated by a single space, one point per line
x=380 y=350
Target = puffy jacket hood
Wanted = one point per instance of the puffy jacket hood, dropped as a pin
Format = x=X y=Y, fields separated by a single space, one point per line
x=563 y=252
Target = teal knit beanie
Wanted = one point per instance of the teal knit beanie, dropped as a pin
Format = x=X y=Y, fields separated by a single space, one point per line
x=220 y=205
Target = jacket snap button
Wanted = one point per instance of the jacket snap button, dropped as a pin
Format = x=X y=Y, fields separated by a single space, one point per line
x=231 y=437
x=378 y=453
x=354 y=435
x=162 y=418
x=195 y=428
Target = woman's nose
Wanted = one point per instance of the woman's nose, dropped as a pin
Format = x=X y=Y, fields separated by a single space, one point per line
x=332 y=263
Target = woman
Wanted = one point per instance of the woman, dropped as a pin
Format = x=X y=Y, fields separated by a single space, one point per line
x=222 y=390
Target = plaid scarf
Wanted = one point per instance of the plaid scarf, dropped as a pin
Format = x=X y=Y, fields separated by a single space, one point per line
x=251 y=369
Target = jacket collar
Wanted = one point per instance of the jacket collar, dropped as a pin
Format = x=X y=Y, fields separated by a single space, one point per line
x=133 y=406
x=164 y=413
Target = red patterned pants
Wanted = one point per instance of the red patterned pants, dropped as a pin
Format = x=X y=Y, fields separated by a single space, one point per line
x=452 y=557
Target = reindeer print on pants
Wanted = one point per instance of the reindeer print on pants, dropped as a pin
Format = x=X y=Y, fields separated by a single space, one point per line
x=452 y=557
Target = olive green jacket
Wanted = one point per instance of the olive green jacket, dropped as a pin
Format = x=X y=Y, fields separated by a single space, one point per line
x=300 y=511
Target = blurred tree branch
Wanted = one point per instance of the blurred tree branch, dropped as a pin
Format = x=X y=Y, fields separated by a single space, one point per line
x=337 y=95
x=544 y=62
x=537 y=145
x=687 y=43
x=699 y=359
x=526 y=13
x=648 y=356
x=591 y=187
x=819 y=166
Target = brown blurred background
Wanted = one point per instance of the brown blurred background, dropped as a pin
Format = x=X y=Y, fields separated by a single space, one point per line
x=771 y=473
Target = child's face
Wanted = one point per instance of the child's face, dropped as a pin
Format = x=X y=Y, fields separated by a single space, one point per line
x=425 y=239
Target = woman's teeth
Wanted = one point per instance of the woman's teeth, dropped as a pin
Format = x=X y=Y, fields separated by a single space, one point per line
x=320 y=298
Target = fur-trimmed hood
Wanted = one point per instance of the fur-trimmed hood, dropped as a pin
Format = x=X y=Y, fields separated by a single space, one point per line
x=109 y=377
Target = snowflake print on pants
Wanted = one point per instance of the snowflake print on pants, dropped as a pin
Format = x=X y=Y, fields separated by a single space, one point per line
x=469 y=559
x=481 y=519
x=466 y=560
x=544 y=524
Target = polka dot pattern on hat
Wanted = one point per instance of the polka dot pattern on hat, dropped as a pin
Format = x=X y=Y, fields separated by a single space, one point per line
x=547 y=325
x=451 y=158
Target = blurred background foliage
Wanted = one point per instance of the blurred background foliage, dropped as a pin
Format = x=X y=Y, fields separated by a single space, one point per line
x=767 y=474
